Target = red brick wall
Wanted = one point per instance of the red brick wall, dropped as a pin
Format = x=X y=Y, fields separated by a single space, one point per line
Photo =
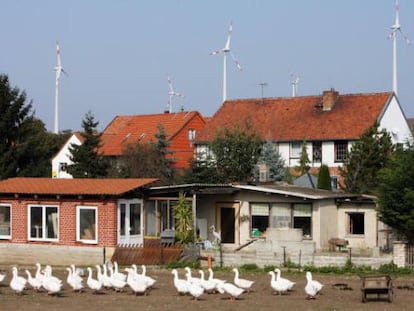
x=107 y=221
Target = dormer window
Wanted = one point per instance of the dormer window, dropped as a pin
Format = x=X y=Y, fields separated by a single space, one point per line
x=191 y=134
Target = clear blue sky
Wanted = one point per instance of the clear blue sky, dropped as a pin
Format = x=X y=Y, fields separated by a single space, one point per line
x=118 y=53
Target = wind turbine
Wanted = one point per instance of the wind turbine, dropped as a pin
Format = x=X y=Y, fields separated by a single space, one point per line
x=393 y=35
x=171 y=94
x=295 y=82
x=58 y=69
x=226 y=50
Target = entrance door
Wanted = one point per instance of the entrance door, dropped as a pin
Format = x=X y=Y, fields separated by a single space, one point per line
x=130 y=222
x=228 y=222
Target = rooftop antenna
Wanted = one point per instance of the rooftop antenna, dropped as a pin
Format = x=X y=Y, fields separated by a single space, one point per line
x=58 y=69
x=294 y=82
x=226 y=50
x=171 y=94
x=393 y=35
x=262 y=85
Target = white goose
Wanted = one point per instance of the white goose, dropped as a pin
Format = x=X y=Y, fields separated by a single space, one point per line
x=289 y=283
x=50 y=283
x=118 y=275
x=190 y=278
x=33 y=282
x=74 y=281
x=180 y=285
x=17 y=283
x=116 y=281
x=106 y=282
x=195 y=290
x=278 y=285
x=312 y=287
x=39 y=274
x=242 y=283
x=138 y=285
x=213 y=279
x=232 y=290
x=209 y=286
x=92 y=283
x=151 y=281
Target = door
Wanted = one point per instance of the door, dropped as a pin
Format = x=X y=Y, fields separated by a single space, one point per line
x=130 y=222
x=227 y=224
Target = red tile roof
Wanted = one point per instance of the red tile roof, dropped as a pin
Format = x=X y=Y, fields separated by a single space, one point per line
x=300 y=118
x=129 y=129
x=63 y=186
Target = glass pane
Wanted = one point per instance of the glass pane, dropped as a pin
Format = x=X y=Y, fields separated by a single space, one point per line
x=36 y=228
x=51 y=222
x=135 y=218
x=164 y=215
x=303 y=223
x=302 y=210
x=150 y=218
x=87 y=220
x=260 y=210
x=280 y=216
x=4 y=220
x=122 y=208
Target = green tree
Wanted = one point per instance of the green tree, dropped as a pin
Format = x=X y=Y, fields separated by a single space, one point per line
x=87 y=162
x=202 y=171
x=304 y=159
x=183 y=220
x=25 y=145
x=236 y=152
x=324 y=178
x=273 y=159
x=167 y=160
x=395 y=193
x=367 y=156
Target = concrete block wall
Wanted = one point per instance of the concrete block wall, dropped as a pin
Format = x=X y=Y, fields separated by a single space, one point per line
x=55 y=255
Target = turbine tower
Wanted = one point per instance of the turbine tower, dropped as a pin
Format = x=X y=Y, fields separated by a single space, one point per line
x=171 y=94
x=393 y=35
x=295 y=82
x=226 y=50
x=58 y=69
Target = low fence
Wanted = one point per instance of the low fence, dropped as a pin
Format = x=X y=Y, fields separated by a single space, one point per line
x=152 y=252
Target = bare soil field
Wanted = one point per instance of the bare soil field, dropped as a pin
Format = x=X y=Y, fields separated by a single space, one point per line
x=164 y=295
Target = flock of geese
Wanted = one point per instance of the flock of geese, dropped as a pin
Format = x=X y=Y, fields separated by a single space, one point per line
x=196 y=286
x=108 y=276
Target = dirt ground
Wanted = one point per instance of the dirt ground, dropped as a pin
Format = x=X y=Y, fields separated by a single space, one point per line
x=164 y=296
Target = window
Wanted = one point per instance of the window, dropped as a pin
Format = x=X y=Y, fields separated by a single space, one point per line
x=167 y=215
x=43 y=222
x=341 y=151
x=86 y=224
x=5 y=221
x=302 y=218
x=281 y=216
x=295 y=149
x=356 y=223
x=317 y=152
x=63 y=166
x=191 y=134
x=260 y=218
x=334 y=182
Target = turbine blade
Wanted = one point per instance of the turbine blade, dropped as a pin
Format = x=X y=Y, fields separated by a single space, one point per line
x=235 y=61
x=405 y=37
x=227 y=45
x=216 y=52
x=170 y=85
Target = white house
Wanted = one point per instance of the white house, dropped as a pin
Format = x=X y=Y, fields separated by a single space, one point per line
x=329 y=124
x=62 y=159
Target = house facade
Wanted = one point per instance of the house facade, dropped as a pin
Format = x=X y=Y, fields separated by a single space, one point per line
x=65 y=216
x=62 y=159
x=328 y=124
x=181 y=128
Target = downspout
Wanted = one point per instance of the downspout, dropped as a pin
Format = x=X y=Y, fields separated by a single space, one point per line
x=194 y=210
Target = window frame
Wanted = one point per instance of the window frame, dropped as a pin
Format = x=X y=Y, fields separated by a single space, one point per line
x=79 y=238
x=7 y=236
x=317 y=152
x=349 y=223
x=252 y=226
x=43 y=236
x=295 y=150
x=340 y=151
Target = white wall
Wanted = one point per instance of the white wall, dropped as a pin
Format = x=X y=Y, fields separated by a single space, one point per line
x=63 y=157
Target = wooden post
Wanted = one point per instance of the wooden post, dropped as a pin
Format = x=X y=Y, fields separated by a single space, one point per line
x=209 y=261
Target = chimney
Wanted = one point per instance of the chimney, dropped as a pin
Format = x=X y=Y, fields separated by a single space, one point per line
x=329 y=99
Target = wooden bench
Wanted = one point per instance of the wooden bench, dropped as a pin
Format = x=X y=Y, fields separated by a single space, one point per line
x=376 y=285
